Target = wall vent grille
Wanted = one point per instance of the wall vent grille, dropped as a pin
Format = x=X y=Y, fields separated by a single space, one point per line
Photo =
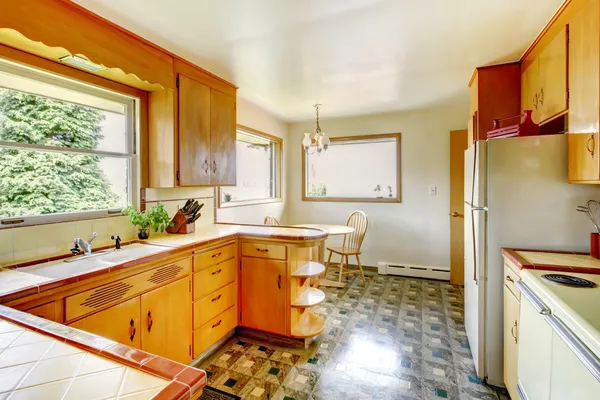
x=165 y=274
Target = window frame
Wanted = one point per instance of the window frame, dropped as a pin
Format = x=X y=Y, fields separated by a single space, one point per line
x=131 y=153
x=278 y=173
x=396 y=199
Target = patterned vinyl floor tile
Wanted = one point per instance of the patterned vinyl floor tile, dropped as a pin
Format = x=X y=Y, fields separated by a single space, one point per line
x=396 y=338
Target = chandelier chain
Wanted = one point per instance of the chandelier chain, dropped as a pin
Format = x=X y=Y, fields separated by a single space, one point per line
x=317 y=110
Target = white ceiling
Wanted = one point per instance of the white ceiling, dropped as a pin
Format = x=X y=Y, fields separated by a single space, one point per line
x=354 y=56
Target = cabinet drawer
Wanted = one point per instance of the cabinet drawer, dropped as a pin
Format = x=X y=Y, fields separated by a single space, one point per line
x=210 y=279
x=262 y=250
x=209 y=333
x=208 y=258
x=214 y=304
x=114 y=292
x=510 y=277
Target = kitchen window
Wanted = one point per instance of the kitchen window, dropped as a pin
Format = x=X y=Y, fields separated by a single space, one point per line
x=67 y=149
x=258 y=170
x=354 y=169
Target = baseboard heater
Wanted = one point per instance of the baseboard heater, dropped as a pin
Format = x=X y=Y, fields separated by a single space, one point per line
x=416 y=271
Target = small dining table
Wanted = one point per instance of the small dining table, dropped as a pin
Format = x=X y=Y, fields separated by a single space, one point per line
x=333 y=230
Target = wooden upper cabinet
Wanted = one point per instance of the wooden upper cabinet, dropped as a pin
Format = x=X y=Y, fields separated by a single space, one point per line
x=544 y=80
x=552 y=97
x=194 y=132
x=584 y=68
x=584 y=89
x=166 y=319
x=530 y=84
x=223 y=138
x=120 y=323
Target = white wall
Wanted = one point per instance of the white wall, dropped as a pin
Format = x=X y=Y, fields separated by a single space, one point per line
x=255 y=117
x=416 y=231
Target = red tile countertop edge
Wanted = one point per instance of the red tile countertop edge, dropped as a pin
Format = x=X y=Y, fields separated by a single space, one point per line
x=522 y=263
x=186 y=381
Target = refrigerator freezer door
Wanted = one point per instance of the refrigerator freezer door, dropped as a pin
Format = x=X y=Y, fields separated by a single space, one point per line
x=475 y=260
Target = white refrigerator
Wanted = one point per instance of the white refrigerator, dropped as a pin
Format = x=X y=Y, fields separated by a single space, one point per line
x=516 y=195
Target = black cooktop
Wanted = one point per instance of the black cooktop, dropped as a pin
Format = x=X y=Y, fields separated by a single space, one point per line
x=569 y=280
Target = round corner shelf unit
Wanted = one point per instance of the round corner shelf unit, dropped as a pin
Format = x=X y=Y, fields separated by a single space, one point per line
x=310 y=325
x=309 y=298
x=308 y=270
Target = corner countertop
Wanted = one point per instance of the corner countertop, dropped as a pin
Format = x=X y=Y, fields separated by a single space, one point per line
x=45 y=359
x=17 y=281
x=576 y=307
x=553 y=260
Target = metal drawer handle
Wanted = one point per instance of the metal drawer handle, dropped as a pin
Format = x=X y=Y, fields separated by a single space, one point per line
x=279 y=281
x=216 y=272
x=587 y=145
x=214 y=167
x=217 y=324
x=216 y=255
x=508 y=278
x=216 y=298
x=149 y=321
x=262 y=250
x=205 y=166
x=131 y=330
x=538 y=304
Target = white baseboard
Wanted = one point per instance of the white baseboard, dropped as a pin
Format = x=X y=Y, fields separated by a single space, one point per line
x=416 y=271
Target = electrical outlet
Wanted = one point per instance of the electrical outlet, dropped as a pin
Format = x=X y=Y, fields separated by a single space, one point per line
x=432 y=190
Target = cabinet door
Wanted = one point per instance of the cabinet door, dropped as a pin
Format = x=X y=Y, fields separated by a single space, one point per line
x=583 y=157
x=47 y=311
x=552 y=95
x=530 y=89
x=570 y=379
x=511 y=335
x=263 y=295
x=535 y=352
x=584 y=51
x=120 y=323
x=194 y=132
x=167 y=321
x=222 y=138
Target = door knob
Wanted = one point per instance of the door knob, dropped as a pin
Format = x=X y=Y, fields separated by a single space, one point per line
x=455 y=214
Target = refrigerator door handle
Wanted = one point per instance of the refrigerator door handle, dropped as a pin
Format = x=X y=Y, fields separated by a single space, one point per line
x=473 y=209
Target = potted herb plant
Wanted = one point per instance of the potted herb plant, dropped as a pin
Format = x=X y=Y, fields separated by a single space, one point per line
x=155 y=217
x=226 y=197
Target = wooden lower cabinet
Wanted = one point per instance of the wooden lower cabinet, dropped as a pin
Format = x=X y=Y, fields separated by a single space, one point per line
x=120 y=323
x=158 y=322
x=210 y=333
x=263 y=301
x=511 y=335
x=166 y=323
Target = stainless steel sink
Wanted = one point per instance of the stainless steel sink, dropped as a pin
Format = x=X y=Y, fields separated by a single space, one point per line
x=77 y=258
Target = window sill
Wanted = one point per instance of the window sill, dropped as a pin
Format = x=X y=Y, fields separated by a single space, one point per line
x=353 y=199
x=231 y=204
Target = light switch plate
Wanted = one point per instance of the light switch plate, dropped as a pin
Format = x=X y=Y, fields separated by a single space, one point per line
x=432 y=190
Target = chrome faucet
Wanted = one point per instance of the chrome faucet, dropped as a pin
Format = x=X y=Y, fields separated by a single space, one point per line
x=86 y=246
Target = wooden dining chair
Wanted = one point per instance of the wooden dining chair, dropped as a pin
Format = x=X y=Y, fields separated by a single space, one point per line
x=351 y=245
x=270 y=220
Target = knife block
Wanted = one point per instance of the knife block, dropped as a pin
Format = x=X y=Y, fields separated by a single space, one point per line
x=180 y=224
x=595 y=245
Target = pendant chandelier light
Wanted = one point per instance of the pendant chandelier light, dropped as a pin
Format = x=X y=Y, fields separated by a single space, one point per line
x=319 y=141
